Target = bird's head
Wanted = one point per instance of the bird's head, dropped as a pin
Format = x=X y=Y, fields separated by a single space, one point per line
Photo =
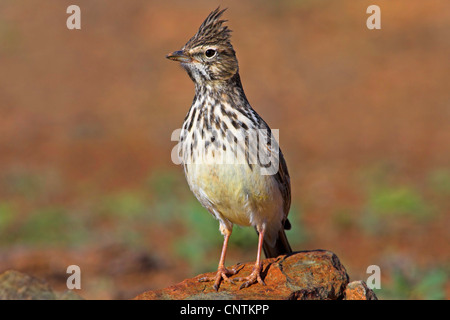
x=209 y=56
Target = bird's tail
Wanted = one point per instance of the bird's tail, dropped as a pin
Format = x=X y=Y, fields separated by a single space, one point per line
x=280 y=247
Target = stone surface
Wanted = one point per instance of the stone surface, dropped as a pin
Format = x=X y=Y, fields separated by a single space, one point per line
x=310 y=275
x=306 y=275
x=358 y=290
x=15 y=285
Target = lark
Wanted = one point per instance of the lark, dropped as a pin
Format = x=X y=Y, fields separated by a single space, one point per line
x=220 y=125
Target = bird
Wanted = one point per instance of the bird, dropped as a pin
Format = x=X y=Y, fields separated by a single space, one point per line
x=219 y=125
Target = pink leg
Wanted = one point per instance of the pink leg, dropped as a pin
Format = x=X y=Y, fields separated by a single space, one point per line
x=222 y=272
x=255 y=276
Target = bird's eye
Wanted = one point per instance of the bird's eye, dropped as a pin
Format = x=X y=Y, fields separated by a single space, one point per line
x=210 y=53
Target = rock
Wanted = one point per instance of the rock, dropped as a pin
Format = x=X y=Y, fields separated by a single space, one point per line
x=305 y=275
x=15 y=285
x=358 y=290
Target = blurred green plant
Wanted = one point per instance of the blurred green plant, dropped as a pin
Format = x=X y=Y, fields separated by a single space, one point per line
x=127 y=205
x=46 y=226
x=387 y=205
x=9 y=37
x=439 y=181
x=298 y=234
x=398 y=200
x=6 y=217
x=343 y=219
x=164 y=183
x=388 y=201
x=22 y=183
x=169 y=194
x=201 y=236
x=415 y=284
x=163 y=201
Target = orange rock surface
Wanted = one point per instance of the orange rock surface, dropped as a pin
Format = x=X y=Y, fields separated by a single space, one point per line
x=309 y=275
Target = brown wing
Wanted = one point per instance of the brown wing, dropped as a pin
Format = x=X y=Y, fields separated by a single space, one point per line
x=284 y=183
x=282 y=175
x=282 y=244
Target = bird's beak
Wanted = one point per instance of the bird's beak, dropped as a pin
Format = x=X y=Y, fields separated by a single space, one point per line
x=179 y=56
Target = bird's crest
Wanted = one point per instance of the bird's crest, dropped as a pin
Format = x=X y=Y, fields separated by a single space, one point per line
x=211 y=32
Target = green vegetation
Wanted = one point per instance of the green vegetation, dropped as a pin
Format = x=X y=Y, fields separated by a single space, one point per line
x=46 y=226
x=164 y=202
x=388 y=202
x=387 y=205
x=415 y=284
x=398 y=200
x=6 y=217
x=439 y=181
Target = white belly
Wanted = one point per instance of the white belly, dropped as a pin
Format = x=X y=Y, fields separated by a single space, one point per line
x=237 y=194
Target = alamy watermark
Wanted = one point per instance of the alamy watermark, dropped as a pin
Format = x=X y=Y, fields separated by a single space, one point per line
x=73 y=22
x=374 y=20
x=374 y=280
x=74 y=280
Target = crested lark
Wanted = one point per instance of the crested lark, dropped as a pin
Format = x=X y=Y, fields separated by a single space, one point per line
x=220 y=125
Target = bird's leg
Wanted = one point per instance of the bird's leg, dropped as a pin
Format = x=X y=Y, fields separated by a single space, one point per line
x=255 y=276
x=222 y=272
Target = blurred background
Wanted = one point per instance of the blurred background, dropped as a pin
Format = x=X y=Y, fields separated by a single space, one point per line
x=86 y=117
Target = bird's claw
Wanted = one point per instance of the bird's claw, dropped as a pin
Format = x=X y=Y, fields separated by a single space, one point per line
x=222 y=274
x=254 y=277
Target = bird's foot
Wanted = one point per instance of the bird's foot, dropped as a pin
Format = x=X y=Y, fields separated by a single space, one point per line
x=222 y=274
x=254 y=277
